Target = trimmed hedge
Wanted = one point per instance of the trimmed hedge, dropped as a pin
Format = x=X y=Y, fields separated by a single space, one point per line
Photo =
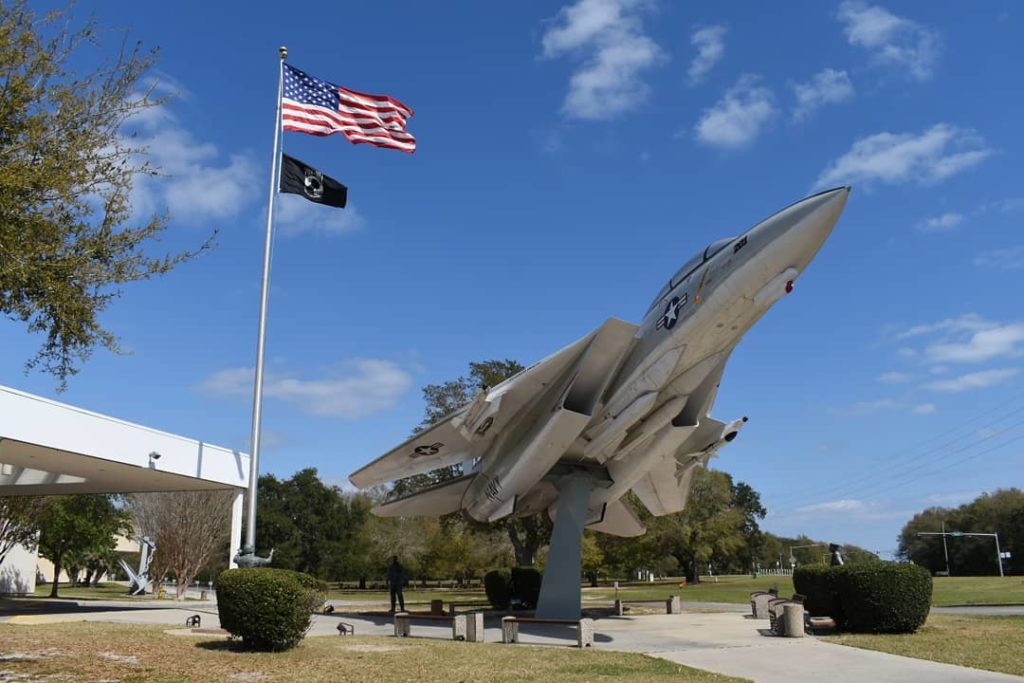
x=884 y=597
x=269 y=609
x=875 y=597
x=497 y=586
x=815 y=582
x=526 y=585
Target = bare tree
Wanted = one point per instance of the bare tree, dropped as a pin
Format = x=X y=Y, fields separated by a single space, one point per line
x=187 y=527
x=19 y=522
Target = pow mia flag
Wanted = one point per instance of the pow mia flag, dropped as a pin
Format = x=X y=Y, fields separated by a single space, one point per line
x=298 y=178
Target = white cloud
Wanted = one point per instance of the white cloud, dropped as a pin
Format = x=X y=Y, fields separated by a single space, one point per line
x=970 y=338
x=894 y=378
x=737 y=118
x=358 y=388
x=934 y=155
x=951 y=497
x=924 y=409
x=985 y=344
x=196 y=181
x=843 y=505
x=973 y=380
x=710 y=44
x=826 y=87
x=1010 y=258
x=1006 y=205
x=944 y=223
x=968 y=322
x=611 y=36
x=296 y=215
x=890 y=40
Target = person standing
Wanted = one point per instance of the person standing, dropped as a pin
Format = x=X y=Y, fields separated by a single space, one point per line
x=396 y=579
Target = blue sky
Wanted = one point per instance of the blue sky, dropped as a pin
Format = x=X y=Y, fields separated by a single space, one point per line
x=571 y=156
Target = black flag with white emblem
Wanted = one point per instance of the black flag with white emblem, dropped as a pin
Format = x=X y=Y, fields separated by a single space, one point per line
x=298 y=178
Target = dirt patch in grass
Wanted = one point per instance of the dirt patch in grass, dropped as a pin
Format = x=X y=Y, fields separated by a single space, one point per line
x=146 y=653
x=990 y=643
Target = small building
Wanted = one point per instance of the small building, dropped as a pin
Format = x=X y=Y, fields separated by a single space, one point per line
x=51 y=448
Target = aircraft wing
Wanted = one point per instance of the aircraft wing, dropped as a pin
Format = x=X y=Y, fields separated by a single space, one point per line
x=440 y=446
x=468 y=432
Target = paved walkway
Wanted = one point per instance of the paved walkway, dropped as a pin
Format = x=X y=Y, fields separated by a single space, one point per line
x=725 y=642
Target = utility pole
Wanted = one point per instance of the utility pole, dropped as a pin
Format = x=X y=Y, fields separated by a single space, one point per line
x=792 y=560
x=957 y=534
x=945 y=550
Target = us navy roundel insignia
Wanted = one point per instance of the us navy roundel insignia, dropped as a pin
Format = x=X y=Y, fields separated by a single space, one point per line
x=670 y=317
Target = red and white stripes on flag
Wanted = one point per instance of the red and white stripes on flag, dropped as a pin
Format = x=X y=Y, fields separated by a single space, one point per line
x=311 y=105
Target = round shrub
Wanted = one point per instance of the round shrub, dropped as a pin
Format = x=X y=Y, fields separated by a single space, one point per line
x=525 y=585
x=883 y=597
x=269 y=609
x=816 y=583
x=497 y=586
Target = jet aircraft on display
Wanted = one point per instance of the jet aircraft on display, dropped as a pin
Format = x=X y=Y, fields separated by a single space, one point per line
x=626 y=407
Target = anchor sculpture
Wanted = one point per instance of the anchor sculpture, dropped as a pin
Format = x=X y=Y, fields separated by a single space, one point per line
x=139 y=581
x=247 y=557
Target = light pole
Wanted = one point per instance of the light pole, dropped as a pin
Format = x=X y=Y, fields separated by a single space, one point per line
x=792 y=560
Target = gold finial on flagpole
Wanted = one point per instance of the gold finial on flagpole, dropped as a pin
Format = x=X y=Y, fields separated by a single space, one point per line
x=283 y=51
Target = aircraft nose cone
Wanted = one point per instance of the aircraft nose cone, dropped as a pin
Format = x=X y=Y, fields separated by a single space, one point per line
x=823 y=211
x=793 y=236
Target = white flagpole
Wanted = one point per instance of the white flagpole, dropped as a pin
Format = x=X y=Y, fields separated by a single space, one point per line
x=257 y=400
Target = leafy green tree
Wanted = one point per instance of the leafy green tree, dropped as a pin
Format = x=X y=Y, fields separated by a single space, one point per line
x=77 y=529
x=19 y=522
x=710 y=527
x=527 y=534
x=1001 y=512
x=312 y=527
x=68 y=239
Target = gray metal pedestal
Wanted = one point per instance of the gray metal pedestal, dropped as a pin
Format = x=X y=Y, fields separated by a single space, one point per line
x=560 y=587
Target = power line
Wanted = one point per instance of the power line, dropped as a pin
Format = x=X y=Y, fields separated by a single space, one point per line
x=905 y=466
x=907 y=474
x=896 y=463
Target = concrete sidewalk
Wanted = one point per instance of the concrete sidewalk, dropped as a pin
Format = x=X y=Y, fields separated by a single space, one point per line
x=724 y=642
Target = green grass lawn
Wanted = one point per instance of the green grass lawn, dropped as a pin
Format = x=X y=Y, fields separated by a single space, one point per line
x=955 y=590
x=104 y=591
x=977 y=590
x=990 y=643
x=122 y=652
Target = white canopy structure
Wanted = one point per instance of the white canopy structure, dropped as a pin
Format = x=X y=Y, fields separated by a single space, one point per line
x=51 y=448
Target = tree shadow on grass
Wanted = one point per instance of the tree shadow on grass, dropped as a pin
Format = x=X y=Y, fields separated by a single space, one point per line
x=229 y=645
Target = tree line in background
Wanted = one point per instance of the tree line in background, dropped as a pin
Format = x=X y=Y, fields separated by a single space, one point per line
x=1000 y=512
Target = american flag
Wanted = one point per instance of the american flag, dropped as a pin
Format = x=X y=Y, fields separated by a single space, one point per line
x=310 y=105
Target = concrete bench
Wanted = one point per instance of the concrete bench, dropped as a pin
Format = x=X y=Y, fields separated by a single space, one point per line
x=584 y=632
x=672 y=605
x=467 y=627
x=759 y=603
x=454 y=606
x=776 y=610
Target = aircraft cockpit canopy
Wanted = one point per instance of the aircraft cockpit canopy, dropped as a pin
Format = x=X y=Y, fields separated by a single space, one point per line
x=693 y=264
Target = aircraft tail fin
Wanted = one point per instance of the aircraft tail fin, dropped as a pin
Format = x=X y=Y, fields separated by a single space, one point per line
x=435 y=501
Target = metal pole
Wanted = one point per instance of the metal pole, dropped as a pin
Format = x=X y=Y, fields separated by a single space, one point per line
x=945 y=550
x=257 y=400
x=999 y=555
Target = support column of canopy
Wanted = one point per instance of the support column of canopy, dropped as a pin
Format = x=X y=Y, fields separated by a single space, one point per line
x=236 y=528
